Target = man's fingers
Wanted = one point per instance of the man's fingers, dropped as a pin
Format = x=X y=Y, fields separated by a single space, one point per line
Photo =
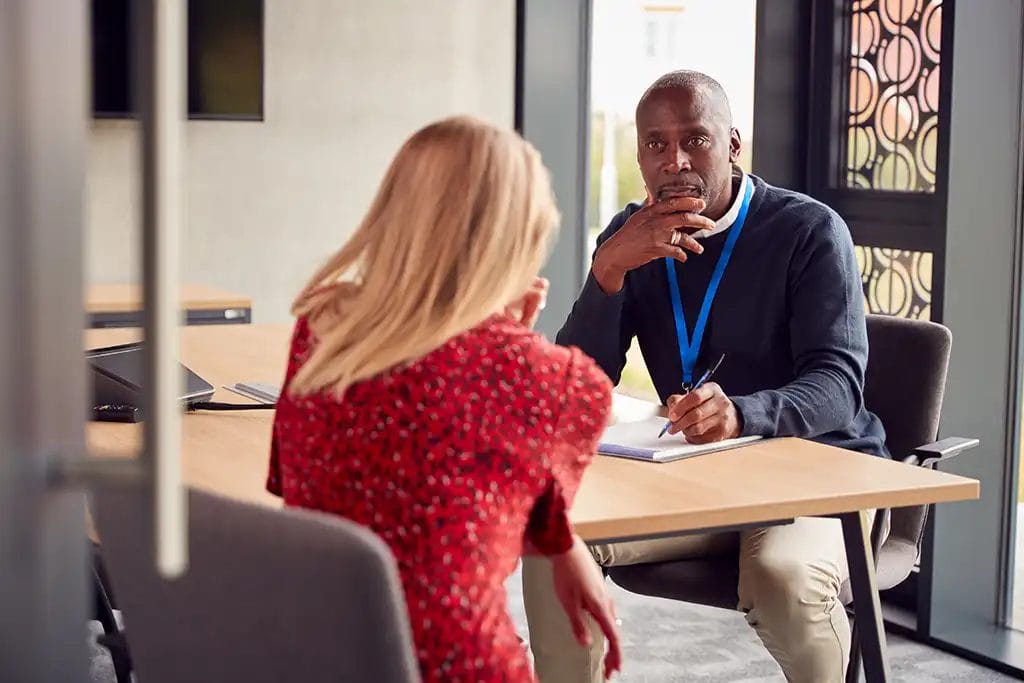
x=686 y=222
x=715 y=432
x=705 y=392
x=681 y=407
x=704 y=427
x=689 y=244
x=684 y=241
x=689 y=222
x=690 y=401
x=677 y=253
x=678 y=204
x=695 y=416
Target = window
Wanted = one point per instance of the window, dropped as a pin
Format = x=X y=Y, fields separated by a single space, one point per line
x=893 y=126
x=877 y=144
x=892 y=134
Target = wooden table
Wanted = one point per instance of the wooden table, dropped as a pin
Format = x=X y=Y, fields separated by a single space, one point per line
x=767 y=482
x=120 y=305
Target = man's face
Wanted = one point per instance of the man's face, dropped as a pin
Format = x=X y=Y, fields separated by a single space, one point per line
x=686 y=148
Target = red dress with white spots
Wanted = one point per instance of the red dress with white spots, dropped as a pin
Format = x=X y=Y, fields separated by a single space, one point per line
x=452 y=460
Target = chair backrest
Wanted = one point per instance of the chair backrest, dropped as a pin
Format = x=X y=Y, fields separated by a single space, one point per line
x=906 y=378
x=270 y=595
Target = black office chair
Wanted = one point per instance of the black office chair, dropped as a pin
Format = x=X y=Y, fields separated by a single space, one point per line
x=112 y=637
x=270 y=595
x=905 y=381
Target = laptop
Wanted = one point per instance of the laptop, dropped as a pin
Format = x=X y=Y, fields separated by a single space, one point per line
x=117 y=379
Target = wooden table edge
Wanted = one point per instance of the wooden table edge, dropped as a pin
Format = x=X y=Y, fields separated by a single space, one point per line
x=668 y=524
x=99 y=308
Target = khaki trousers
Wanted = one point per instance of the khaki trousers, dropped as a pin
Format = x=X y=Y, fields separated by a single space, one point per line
x=789 y=584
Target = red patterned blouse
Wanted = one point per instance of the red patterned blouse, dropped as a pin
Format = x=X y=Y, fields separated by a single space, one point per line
x=452 y=460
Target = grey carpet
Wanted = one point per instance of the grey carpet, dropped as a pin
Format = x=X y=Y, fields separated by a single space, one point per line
x=671 y=642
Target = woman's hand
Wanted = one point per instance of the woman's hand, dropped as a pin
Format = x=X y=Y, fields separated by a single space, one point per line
x=581 y=590
x=527 y=308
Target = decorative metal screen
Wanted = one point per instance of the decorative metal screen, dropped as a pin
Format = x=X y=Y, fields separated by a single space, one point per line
x=892 y=129
x=896 y=282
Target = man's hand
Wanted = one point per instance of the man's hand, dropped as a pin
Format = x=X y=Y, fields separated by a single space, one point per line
x=655 y=231
x=704 y=416
x=580 y=588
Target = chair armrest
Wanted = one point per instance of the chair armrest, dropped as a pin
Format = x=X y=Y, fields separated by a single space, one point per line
x=932 y=453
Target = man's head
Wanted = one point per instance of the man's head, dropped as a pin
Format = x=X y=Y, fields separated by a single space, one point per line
x=686 y=143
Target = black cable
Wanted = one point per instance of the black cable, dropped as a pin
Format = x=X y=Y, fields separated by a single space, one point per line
x=215 y=405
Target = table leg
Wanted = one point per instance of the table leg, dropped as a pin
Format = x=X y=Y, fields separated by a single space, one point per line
x=857 y=537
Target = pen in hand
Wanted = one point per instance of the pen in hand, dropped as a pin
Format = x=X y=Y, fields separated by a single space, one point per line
x=703 y=378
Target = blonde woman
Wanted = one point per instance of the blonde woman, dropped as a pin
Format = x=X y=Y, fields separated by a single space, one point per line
x=419 y=403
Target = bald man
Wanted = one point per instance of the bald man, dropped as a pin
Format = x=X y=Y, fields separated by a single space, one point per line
x=776 y=273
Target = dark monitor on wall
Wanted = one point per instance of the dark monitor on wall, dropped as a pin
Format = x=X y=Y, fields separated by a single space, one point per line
x=225 y=59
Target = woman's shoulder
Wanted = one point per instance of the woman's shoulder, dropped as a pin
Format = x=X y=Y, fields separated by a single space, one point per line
x=534 y=358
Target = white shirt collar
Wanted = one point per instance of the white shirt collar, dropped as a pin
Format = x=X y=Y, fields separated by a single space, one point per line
x=726 y=221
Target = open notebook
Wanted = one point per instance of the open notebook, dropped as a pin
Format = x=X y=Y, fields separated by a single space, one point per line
x=639 y=440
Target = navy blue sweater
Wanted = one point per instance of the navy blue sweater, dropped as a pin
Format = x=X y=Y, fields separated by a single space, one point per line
x=789 y=316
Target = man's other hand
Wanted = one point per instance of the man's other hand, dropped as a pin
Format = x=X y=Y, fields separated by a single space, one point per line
x=705 y=415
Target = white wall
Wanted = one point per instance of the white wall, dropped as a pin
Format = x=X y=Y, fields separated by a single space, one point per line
x=345 y=82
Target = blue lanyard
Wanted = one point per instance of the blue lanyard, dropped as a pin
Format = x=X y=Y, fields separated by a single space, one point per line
x=688 y=350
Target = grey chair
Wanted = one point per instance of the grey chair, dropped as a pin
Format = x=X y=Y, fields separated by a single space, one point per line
x=270 y=595
x=905 y=381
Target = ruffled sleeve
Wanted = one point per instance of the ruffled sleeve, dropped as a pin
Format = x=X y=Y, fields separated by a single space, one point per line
x=584 y=410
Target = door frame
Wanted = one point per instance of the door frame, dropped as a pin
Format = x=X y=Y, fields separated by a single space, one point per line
x=43 y=119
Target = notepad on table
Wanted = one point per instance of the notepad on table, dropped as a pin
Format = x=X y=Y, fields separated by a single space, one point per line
x=639 y=440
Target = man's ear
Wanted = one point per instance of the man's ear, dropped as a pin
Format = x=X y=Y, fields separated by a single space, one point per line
x=650 y=198
x=735 y=145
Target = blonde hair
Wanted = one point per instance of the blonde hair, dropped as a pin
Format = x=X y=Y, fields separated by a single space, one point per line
x=460 y=227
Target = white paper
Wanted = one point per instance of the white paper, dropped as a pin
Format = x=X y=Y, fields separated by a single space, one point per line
x=261 y=392
x=640 y=440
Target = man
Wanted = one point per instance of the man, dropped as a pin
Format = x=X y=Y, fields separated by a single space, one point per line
x=717 y=262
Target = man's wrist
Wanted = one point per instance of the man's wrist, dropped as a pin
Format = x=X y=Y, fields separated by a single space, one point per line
x=738 y=425
x=738 y=415
x=608 y=276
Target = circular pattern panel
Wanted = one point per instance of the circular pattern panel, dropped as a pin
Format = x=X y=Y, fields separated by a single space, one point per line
x=894 y=95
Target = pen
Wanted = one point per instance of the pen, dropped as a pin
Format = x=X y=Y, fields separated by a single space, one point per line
x=703 y=378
